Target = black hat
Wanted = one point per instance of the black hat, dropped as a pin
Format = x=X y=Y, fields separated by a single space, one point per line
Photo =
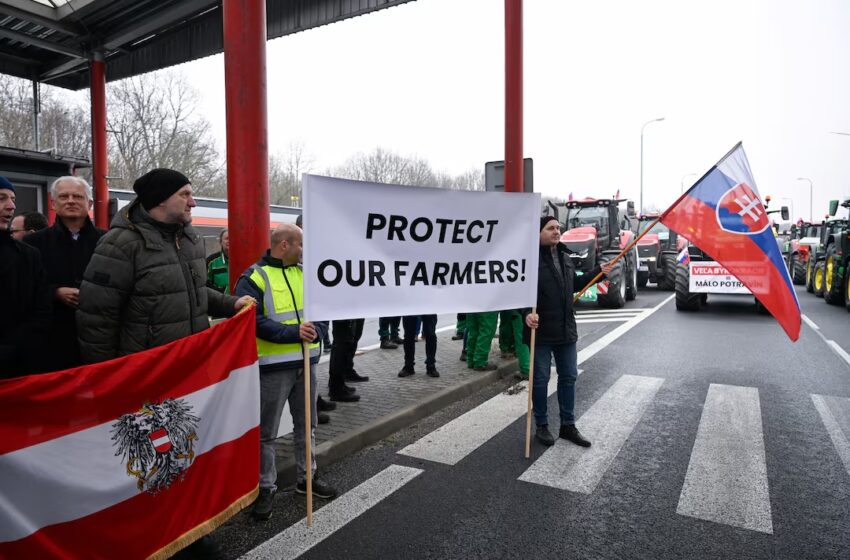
x=6 y=184
x=157 y=185
x=545 y=220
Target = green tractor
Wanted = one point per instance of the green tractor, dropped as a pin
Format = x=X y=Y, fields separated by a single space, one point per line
x=836 y=258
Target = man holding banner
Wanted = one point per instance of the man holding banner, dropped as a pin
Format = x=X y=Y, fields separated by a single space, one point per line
x=556 y=332
x=277 y=281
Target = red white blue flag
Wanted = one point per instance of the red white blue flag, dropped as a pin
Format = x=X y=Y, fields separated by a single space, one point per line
x=723 y=215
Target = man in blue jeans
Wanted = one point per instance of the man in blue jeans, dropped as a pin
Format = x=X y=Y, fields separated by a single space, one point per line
x=429 y=331
x=556 y=332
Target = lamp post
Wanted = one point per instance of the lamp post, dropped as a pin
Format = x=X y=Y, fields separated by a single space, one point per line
x=659 y=119
x=685 y=176
x=811 y=212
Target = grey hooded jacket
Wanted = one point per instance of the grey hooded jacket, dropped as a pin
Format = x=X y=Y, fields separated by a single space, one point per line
x=145 y=286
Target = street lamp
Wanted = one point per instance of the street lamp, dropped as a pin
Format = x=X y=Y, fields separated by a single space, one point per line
x=811 y=213
x=685 y=176
x=659 y=119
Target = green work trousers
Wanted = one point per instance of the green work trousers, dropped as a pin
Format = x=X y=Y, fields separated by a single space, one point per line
x=510 y=330
x=480 y=329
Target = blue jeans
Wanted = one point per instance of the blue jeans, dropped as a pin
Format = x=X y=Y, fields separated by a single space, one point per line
x=566 y=364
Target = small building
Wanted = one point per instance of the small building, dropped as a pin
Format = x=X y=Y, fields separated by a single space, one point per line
x=32 y=174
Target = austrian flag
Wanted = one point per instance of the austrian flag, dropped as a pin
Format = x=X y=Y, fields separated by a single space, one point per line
x=135 y=457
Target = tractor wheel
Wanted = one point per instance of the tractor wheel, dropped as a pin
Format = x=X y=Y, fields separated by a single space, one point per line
x=642 y=279
x=810 y=274
x=668 y=281
x=797 y=269
x=832 y=280
x=685 y=300
x=616 y=296
x=847 y=287
x=632 y=276
x=817 y=283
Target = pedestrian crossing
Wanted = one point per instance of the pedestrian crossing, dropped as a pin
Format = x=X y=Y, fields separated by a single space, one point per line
x=726 y=482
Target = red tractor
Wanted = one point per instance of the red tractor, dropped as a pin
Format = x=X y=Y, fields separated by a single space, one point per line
x=804 y=236
x=595 y=231
x=657 y=252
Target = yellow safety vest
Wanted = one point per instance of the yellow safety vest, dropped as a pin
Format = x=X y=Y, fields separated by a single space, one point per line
x=285 y=304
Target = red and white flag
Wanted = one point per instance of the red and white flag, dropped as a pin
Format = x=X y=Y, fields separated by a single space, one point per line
x=136 y=457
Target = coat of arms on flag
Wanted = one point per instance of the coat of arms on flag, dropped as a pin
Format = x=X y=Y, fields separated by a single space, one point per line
x=157 y=443
x=740 y=211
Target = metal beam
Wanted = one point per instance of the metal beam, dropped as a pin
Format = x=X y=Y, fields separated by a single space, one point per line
x=40 y=43
x=62 y=69
x=156 y=23
x=37 y=13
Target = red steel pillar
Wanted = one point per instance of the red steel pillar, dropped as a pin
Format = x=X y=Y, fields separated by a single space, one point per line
x=100 y=168
x=513 y=96
x=247 y=132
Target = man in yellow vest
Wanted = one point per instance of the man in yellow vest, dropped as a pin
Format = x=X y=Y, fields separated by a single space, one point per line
x=276 y=282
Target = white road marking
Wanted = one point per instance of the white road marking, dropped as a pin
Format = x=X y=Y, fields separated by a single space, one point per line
x=455 y=440
x=606 y=320
x=834 y=346
x=726 y=480
x=608 y=424
x=298 y=538
x=835 y=413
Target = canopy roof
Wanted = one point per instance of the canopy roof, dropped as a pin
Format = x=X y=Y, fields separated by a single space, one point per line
x=53 y=40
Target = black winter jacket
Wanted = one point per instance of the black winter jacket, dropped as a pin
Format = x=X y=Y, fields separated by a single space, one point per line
x=65 y=260
x=557 y=322
x=26 y=308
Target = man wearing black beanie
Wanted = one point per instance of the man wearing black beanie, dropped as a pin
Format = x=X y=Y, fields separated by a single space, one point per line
x=145 y=285
x=556 y=332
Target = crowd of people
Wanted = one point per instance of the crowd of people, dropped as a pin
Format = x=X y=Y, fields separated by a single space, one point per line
x=88 y=295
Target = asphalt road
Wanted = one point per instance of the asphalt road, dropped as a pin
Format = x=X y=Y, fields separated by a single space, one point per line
x=714 y=437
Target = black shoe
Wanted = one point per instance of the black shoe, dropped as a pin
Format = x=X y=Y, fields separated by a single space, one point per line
x=508 y=355
x=323 y=417
x=205 y=548
x=432 y=372
x=457 y=336
x=571 y=433
x=388 y=345
x=406 y=372
x=544 y=436
x=354 y=377
x=324 y=406
x=397 y=340
x=463 y=355
x=327 y=350
x=263 y=504
x=320 y=489
x=487 y=367
x=344 y=396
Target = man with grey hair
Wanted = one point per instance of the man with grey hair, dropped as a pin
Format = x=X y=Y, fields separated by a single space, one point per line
x=66 y=248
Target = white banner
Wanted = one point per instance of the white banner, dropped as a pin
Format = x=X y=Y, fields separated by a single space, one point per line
x=374 y=250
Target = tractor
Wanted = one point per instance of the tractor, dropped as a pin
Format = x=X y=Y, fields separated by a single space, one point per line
x=657 y=252
x=831 y=276
x=804 y=238
x=595 y=231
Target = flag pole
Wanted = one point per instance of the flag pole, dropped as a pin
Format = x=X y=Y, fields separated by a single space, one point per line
x=308 y=429
x=529 y=388
x=618 y=257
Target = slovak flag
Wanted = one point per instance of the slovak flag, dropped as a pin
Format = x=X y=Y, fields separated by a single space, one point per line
x=684 y=257
x=723 y=215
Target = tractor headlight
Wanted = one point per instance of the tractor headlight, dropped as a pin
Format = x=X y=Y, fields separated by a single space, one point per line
x=580 y=254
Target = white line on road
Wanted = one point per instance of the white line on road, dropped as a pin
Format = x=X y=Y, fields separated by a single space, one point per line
x=831 y=343
x=605 y=320
x=835 y=413
x=453 y=441
x=726 y=480
x=298 y=538
x=608 y=423
x=633 y=310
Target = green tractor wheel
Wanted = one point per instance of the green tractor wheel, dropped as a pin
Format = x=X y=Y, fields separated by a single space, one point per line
x=818 y=281
x=847 y=288
x=832 y=280
x=810 y=275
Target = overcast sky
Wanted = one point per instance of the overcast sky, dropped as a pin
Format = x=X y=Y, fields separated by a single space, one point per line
x=426 y=78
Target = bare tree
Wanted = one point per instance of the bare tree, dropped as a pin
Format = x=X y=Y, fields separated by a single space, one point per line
x=153 y=124
x=383 y=166
x=64 y=127
x=285 y=172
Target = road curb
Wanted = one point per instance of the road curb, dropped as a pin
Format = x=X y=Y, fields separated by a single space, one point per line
x=359 y=438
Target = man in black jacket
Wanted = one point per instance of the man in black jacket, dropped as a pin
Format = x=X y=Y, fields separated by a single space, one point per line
x=26 y=302
x=556 y=332
x=66 y=249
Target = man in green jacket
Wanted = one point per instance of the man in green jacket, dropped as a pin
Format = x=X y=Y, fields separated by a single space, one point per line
x=145 y=285
x=218 y=266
